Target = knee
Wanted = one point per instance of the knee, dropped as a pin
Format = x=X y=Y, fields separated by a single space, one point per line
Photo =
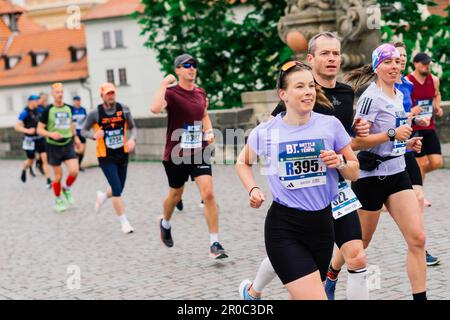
x=176 y=195
x=417 y=240
x=357 y=259
x=420 y=197
x=207 y=195
x=436 y=164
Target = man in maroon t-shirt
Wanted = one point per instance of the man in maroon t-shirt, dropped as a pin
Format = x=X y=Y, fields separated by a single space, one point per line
x=427 y=103
x=189 y=130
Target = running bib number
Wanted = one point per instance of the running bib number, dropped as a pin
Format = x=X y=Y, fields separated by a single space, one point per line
x=400 y=146
x=192 y=137
x=28 y=144
x=345 y=202
x=78 y=119
x=299 y=165
x=427 y=108
x=62 y=120
x=114 y=139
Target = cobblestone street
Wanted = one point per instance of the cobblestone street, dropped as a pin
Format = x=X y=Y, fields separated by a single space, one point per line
x=41 y=249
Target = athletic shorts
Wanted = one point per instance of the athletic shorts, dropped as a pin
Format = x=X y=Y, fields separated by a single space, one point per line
x=39 y=147
x=347 y=228
x=58 y=154
x=430 y=142
x=178 y=174
x=373 y=192
x=413 y=169
x=298 y=242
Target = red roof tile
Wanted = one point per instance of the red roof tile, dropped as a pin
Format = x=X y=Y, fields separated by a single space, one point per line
x=113 y=8
x=56 y=67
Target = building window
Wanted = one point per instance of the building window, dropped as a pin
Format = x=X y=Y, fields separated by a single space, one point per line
x=106 y=40
x=119 y=38
x=37 y=58
x=123 y=77
x=9 y=104
x=76 y=54
x=110 y=75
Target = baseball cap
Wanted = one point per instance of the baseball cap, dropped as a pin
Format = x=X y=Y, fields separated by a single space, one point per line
x=33 y=97
x=76 y=98
x=183 y=59
x=423 y=58
x=106 y=88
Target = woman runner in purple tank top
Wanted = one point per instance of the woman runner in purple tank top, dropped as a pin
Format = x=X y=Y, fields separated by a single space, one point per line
x=303 y=151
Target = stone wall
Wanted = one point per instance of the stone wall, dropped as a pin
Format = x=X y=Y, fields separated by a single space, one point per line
x=152 y=131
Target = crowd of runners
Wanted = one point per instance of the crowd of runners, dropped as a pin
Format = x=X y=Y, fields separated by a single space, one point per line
x=310 y=149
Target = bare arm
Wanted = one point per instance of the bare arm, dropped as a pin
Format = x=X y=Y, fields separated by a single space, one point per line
x=402 y=133
x=159 y=102
x=20 y=127
x=244 y=170
x=437 y=97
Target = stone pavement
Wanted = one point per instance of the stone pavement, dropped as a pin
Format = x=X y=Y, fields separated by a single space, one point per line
x=43 y=252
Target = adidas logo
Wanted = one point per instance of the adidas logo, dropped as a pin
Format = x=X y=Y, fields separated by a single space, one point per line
x=290 y=185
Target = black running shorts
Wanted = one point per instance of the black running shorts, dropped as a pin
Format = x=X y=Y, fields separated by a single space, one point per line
x=299 y=243
x=58 y=154
x=178 y=174
x=413 y=169
x=373 y=192
x=430 y=142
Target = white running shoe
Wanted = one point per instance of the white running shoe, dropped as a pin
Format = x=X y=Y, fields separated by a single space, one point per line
x=127 y=228
x=100 y=200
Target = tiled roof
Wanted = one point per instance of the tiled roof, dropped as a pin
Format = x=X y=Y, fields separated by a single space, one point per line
x=8 y=7
x=113 y=8
x=56 y=67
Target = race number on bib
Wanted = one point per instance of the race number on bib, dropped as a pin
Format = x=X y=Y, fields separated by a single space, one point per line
x=78 y=119
x=192 y=137
x=114 y=138
x=427 y=108
x=62 y=120
x=28 y=143
x=299 y=165
x=345 y=202
x=400 y=146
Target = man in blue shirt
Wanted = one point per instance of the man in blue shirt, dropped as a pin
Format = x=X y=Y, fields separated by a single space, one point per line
x=79 y=116
x=32 y=142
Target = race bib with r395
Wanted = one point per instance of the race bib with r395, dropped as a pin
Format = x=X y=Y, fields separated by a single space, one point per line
x=299 y=164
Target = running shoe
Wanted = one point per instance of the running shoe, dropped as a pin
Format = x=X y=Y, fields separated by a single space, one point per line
x=202 y=204
x=100 y=201
x=32 y=172
x=48 y=185
x=330 y=288
x=68 y=195
x=60 y=206
x=180 y=205
x=244 y=288
x=432 y=261
x=216 y=251
x=166 y=235
x=23 y=176
x=127 y=228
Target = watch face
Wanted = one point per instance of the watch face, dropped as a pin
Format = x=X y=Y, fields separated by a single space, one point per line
x=391 y=133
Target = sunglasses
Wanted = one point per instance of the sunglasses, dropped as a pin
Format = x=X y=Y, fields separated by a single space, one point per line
x=288 y=66
x=188 y=65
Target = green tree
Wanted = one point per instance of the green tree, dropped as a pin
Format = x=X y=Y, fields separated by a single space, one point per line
x=421 y=33
x=237 y=56
x=234 y=56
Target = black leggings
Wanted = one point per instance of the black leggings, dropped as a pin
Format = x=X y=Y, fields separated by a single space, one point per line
x=116 y=174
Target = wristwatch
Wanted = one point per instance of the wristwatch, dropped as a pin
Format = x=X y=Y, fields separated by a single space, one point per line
x=343 y=162
x=391 y=134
